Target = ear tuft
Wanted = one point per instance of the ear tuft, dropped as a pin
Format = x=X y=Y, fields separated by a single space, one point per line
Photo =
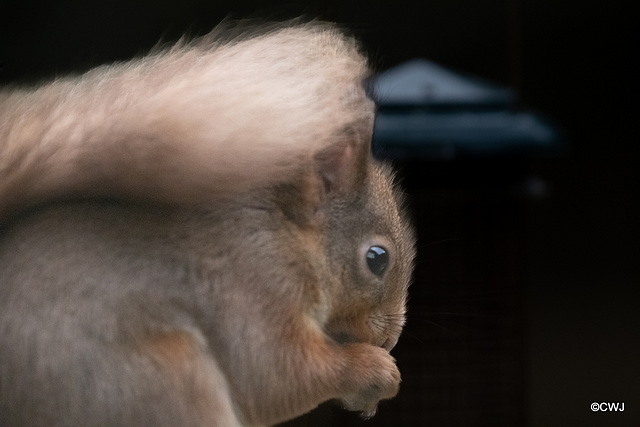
x=343 y=167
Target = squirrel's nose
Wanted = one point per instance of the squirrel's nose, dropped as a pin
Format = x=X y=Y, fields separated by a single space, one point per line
x=390 y=343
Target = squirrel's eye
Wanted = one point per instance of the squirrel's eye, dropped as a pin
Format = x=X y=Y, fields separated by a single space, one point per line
x=377 y=260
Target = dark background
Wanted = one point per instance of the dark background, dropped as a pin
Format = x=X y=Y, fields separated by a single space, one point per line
x=525 y=306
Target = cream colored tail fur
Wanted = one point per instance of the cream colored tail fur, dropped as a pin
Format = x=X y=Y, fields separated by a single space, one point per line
x=216 y=115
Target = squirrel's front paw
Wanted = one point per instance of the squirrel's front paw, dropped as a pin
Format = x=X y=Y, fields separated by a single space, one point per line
x=380 y=380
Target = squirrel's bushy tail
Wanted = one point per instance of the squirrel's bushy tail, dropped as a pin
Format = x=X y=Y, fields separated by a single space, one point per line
x=206 y=117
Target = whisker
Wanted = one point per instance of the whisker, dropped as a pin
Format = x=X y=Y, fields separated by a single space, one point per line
x=453 y=314
x=390 y=316
x=439 y=242
x=385 y=324
x=413 y=336
x=449 y=331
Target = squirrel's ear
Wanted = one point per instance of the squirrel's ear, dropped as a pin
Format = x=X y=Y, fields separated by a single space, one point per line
x=342 y=168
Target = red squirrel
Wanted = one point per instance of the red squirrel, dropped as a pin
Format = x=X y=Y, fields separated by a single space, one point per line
x=200 y=237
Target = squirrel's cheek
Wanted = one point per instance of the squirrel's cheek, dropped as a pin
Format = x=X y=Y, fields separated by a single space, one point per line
x=350 y=330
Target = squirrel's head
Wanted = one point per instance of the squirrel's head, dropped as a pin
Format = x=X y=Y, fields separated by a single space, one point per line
x=367 y=244
x=370 y=249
